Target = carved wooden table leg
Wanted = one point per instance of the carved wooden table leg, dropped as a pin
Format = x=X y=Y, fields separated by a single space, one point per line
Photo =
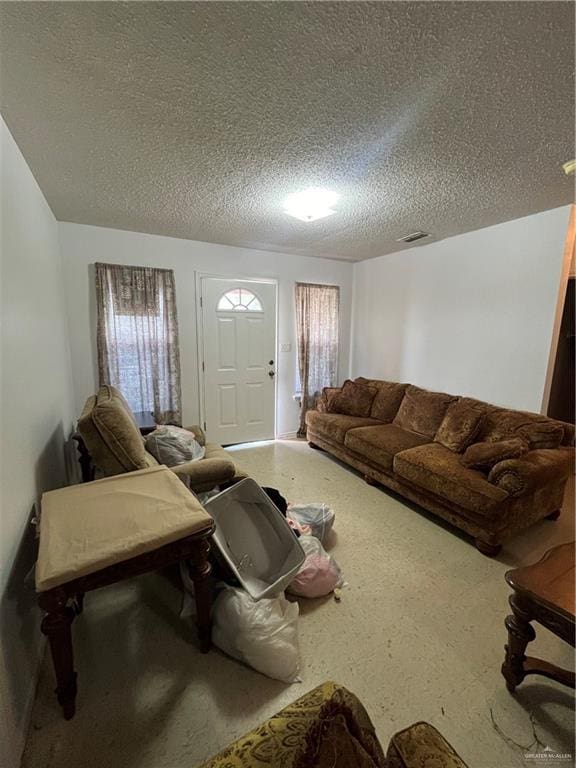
x=200 y=570
x=56 y=625
x=520 y=633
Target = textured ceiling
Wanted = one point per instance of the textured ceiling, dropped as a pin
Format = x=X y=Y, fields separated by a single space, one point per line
x=197 y=119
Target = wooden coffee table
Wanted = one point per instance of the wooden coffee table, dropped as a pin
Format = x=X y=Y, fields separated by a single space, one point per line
x=543 y=592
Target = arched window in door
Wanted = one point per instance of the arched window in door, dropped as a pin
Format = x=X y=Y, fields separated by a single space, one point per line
x=239 y=300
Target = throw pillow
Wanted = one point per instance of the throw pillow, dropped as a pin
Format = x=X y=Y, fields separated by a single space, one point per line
x=459 y=427
x=389 y=395
x=484 y=456
x=352 y=400
x=173 y=445
x=542 y=435
x=323 y=402
x=422 y=411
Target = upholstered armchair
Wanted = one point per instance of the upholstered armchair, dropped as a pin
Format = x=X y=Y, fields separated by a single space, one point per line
x=114 y=444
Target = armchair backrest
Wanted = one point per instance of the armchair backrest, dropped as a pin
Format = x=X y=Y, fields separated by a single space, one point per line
x=109 y=430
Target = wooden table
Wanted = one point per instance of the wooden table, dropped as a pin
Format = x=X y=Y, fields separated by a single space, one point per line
x=543 y=592
x=95 y=534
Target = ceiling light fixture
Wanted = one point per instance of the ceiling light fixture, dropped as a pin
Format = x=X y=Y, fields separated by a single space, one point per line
x=311 y=204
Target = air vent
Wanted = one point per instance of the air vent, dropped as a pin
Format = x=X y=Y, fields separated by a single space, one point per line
x=413 y=237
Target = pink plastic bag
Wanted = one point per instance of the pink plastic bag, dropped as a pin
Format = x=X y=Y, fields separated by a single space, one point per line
x=319 y=574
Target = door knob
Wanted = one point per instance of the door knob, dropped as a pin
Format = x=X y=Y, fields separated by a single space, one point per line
x=271 y=374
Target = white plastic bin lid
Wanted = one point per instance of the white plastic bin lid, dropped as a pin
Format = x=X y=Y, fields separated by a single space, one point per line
x=254 y=539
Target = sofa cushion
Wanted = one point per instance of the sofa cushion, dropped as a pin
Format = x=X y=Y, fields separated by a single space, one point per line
x=334 y=426
x=110 y=434
x=380 y=444
x=352 y=400
x=484 y=456
x=387 y=401
x=422 y=411
x=459 y=426
x=439 y=471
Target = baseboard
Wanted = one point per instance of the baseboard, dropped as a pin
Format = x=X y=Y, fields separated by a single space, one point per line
x=287 y=436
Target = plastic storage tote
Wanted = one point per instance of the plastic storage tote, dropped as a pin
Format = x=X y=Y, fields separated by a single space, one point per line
x=254 y=539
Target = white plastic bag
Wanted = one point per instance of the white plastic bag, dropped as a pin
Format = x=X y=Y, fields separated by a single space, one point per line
x=263 y=634
x=173 y=445
x=319 y=574
x=318 y=517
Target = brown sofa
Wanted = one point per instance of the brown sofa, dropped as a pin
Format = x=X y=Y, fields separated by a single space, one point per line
x=329 y=727
x=488 y=470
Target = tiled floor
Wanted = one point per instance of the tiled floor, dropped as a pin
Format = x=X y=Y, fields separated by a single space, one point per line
x=419 y=635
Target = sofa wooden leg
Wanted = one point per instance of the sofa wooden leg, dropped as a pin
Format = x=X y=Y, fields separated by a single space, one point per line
x=553 y=515
x=313 y=445
x=490 y=550
x=370 y=480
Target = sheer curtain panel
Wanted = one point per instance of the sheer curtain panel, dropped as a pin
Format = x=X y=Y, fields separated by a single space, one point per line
x=137 y=338
x=317 y=309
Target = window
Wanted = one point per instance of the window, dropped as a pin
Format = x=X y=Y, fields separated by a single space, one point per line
x=317 y=311
x=239 y=300
x=137 y=338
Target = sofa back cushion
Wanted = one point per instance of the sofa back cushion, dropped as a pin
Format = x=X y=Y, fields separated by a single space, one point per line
x=459 y=426
x=387 y=401
x=542 y=435
x=422 y=411
x=538 y=430
x=110 y=433
x=354 y=399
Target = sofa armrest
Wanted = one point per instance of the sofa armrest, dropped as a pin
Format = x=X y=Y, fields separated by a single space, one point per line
x=198 y=433
x=533 y=470
x=322 y=401
x=206 y=472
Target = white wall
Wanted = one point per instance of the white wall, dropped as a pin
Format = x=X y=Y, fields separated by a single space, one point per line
x=35 y=417
x=82 y=246
x=470 y=315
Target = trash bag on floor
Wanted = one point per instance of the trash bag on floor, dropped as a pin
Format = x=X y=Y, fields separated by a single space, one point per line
x=263 y=634
x=319 y=575
x=319 y=518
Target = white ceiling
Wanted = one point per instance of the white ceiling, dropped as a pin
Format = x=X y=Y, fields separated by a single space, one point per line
x=197 y=119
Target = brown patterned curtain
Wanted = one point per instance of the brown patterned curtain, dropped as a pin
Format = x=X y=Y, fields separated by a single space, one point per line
x=317 y=308
x=137 y=338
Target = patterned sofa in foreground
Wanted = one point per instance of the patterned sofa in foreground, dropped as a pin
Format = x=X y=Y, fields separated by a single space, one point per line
x=329 y=728
x=488 y=470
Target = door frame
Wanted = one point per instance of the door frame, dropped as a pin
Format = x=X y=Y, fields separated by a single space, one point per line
x=198 y=277
x=565 y=273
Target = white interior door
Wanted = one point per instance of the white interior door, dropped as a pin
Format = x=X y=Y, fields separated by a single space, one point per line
x=239 y=363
